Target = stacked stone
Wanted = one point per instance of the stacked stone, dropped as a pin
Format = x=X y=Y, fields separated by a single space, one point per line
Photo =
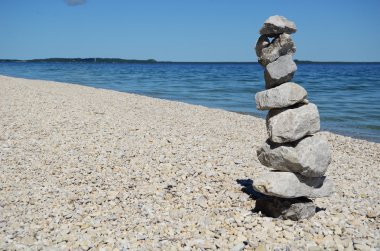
x=298 y=156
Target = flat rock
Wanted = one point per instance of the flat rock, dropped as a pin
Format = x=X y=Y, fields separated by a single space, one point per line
x=280 y=71
x=293 y=123
x=269 y=52
x=276 y=25
x=281 y=96
x=292 y=185
x=292 y=209
x=309 y=156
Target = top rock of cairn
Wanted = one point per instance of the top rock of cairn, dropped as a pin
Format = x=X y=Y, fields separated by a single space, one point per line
x=276 y=25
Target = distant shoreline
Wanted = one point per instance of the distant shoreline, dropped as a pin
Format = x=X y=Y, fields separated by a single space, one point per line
x=153 y=61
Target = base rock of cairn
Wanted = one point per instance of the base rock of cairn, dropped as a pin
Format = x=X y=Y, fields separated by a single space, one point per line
x=292 y=209
x=297 y=155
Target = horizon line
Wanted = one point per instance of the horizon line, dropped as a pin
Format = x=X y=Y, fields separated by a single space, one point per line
x=51 y=59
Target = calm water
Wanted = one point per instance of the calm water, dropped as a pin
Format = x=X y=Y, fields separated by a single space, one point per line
x=348 y=95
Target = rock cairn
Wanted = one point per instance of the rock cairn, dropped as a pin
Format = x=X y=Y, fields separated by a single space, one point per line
x=298 y=156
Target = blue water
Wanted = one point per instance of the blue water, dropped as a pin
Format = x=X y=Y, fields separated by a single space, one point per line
x=348 y=95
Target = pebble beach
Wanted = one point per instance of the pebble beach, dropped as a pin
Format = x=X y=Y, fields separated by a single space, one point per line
x=93 y=169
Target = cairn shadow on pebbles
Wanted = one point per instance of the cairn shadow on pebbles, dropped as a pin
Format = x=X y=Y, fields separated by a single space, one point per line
x=296 y=154
x=247 y=187
x=271 y=206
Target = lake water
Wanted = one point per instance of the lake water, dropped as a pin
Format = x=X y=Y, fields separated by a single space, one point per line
x=347 y=95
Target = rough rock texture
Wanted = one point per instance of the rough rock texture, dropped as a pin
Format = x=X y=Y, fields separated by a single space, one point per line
x=84 y=168
x=280 y=71
x=309 y=156
x=261 y=43
x=293 y=209
x=293 y=123
x=291 y=185
x=281 y=96
x=269 y=52
x=276 y=25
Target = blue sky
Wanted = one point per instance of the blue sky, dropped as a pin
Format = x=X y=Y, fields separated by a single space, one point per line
x=185 y=30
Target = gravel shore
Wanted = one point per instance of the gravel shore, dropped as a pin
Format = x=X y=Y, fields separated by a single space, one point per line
x=84 y=168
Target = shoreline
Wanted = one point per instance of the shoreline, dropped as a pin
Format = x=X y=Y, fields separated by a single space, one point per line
x=84 y=168
x=334 y=131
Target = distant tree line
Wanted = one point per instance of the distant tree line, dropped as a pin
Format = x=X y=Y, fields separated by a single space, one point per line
x=82 y=60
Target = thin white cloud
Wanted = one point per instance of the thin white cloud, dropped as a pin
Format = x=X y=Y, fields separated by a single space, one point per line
x=75 y=2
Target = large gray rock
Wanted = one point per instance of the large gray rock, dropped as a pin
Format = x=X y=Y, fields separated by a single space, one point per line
x=276 y=25
x=292 y=209
x=269 y=52
x=281 y=96
x=292 y=185
x=293 y=123
x=309 y=156
x=280 y=71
